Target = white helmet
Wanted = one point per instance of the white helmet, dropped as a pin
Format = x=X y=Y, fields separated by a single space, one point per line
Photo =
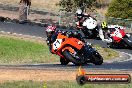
x=79 y=11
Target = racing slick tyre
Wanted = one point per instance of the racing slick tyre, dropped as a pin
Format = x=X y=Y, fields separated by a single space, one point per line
x=64 y=61
x=81 y=80
x=73 y=59
x=128 y=42
x=97 y=59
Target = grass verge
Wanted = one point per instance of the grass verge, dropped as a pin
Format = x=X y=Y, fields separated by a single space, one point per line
x=59 y=84
x=22 y=51
x=107 y=53
x=15 y=50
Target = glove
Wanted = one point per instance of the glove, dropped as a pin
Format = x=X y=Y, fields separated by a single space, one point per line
x=75 y=33
x=69 y=33
x=48 y=42
x=88 y=43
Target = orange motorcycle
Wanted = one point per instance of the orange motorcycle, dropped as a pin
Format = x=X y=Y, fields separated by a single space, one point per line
x=75 y=51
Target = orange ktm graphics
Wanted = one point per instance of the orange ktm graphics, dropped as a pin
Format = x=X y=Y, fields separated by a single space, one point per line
x=71 y=49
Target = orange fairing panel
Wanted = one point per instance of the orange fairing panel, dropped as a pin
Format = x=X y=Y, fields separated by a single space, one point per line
x=62 y=41
x=71 y=41
x=68 y=48
x=75 y=43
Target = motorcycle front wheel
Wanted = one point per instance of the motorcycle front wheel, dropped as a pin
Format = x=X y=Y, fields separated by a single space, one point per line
x=128 y=42
x=74 y=60
x=97 y=59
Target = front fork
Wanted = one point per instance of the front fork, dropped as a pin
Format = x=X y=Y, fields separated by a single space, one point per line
x=87 y=51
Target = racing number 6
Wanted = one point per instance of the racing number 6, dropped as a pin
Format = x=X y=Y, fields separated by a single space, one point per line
x=116 y=32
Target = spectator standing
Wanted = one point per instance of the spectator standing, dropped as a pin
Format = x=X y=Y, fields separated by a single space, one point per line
x=24 y=6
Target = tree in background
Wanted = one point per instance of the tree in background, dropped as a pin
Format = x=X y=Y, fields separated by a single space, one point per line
x=120 y=9
x=102 y=3
x=72 y=5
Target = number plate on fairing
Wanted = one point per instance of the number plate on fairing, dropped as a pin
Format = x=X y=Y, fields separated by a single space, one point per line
x=117 y=34
x=57 y=44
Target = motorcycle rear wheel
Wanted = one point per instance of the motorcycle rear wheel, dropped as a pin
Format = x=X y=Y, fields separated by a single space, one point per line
x=69 y=56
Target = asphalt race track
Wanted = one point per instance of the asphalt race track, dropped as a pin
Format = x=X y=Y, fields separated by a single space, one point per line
x=39 y=32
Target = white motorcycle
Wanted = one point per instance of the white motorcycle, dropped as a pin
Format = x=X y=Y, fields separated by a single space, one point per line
x=91 y=28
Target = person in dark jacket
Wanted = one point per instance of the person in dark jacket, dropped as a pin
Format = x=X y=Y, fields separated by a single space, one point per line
x=52 y=34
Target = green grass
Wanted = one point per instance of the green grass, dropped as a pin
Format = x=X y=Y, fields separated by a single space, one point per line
x=13 y=50
x=59 y=84
x=20 y=51
x=107 y=53
x=21 y=84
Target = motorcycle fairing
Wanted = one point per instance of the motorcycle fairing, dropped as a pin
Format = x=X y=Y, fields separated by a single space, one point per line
x=62 y=42
x=118 y=34
x=90 y=23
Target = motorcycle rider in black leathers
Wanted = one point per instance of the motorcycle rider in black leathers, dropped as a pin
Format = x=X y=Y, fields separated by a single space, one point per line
x=52 y=34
